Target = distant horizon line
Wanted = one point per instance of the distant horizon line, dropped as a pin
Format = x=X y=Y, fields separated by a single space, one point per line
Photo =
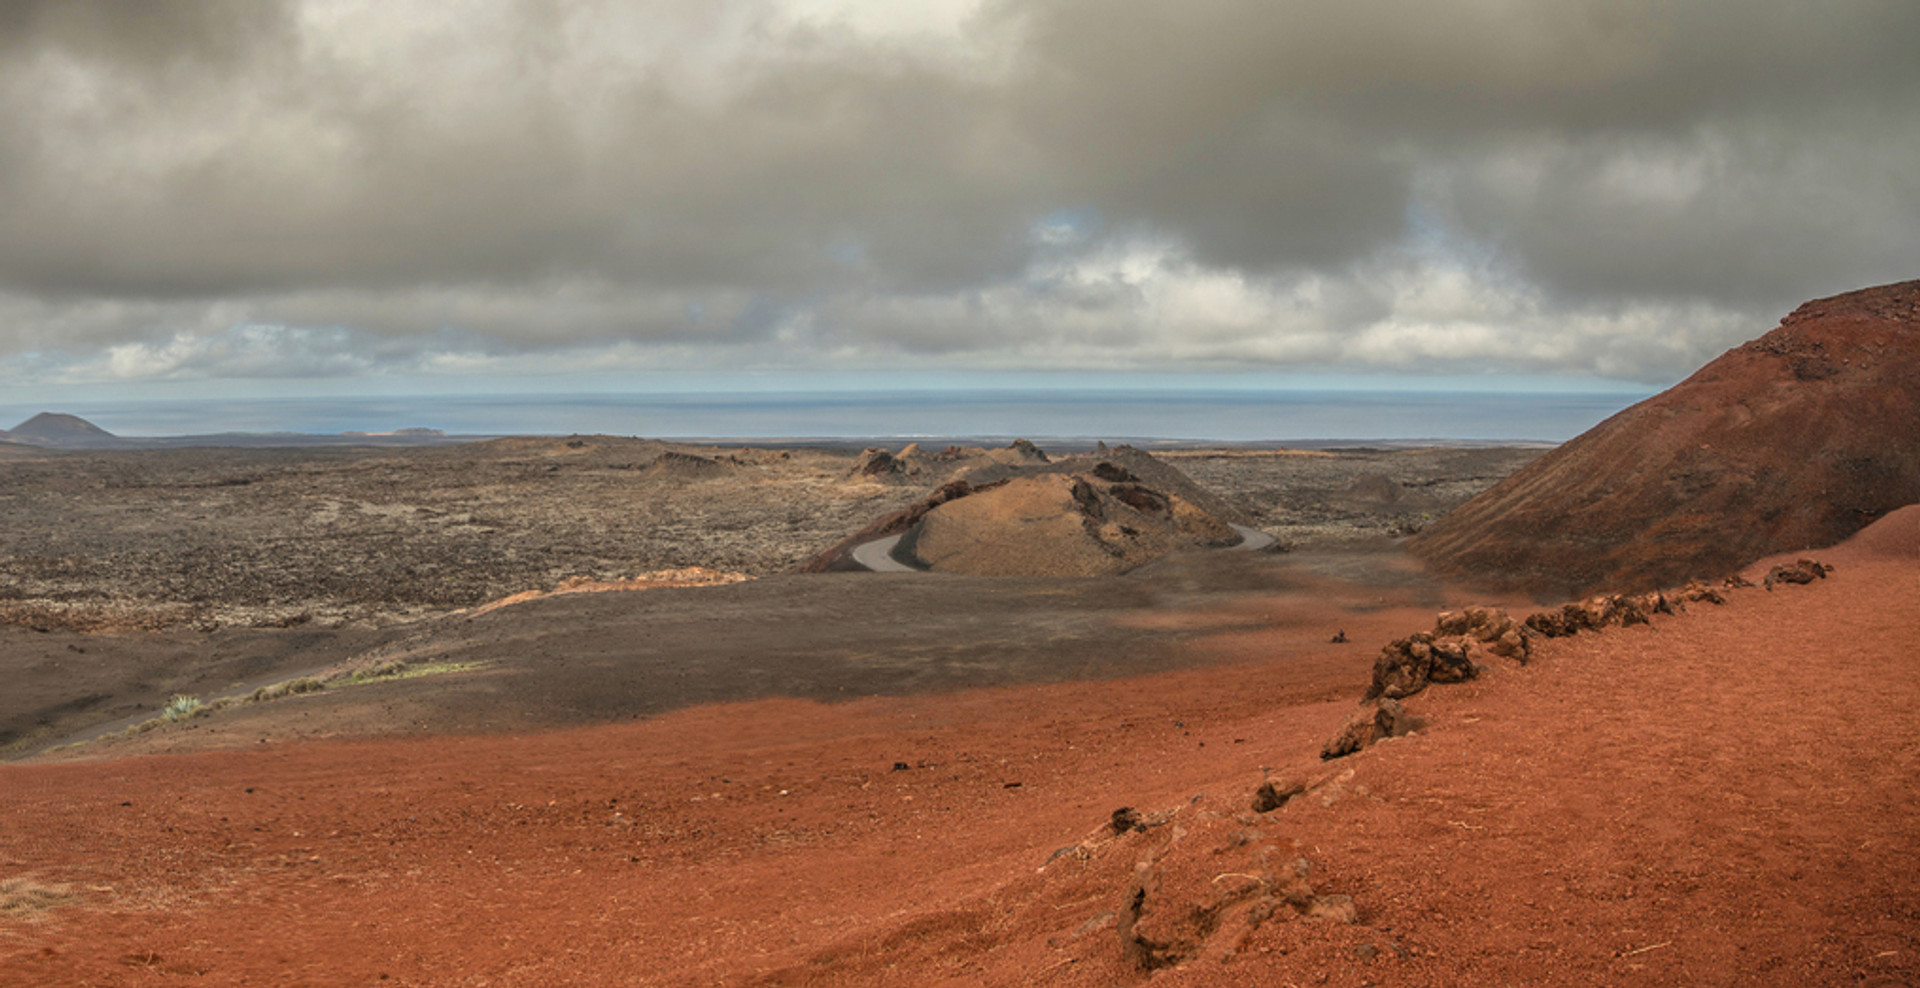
x=1216 y=416
x=423 y=437
x=1024 y=390
x=843 y=382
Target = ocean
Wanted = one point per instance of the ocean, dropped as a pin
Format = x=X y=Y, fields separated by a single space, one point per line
x=1085 y=415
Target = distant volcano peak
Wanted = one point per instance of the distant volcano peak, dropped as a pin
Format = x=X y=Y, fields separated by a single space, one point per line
x=60 y=426
x=55 y=427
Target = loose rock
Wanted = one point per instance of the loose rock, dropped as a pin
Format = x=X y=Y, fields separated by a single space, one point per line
x=1201 y=893
x=1801 y=571
x=1332 y=909
x=1272 y=795
x=1387 y=719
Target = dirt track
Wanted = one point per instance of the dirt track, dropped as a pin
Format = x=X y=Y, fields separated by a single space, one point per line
x=1726 y=797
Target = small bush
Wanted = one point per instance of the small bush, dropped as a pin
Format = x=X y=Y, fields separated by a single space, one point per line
x=305 y=684
x=181 y=707
x=382 y=670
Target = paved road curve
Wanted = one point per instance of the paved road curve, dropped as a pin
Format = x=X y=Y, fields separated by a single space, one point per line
x=1251 y=539
x=878 y=554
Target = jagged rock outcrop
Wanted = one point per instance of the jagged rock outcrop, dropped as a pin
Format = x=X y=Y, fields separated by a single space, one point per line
x=876 y=463
x=1453 y=652
x=1623 y=610
x=1027 y=451
x=1448 y=653
x=1798 y=438
x=1490 y=626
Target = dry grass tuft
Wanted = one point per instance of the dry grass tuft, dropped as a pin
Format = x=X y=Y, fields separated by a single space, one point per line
x=28 y=900
x=691 y=576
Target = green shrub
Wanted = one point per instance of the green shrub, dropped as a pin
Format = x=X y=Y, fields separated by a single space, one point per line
x=181 y=707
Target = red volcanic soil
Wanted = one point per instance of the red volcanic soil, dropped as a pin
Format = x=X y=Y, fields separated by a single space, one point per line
x=1728 y=796
x=1798 y=438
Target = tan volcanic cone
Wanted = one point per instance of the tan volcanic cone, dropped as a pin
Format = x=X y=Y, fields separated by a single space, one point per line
x=1796 y=439
x=1060 y=525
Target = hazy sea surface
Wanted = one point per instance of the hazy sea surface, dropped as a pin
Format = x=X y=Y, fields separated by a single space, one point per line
x=1228 y=416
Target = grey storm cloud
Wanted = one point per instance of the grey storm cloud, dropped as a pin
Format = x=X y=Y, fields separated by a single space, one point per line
x=1544 y=184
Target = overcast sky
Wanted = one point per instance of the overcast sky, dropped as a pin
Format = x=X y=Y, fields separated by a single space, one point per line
x=234 y=194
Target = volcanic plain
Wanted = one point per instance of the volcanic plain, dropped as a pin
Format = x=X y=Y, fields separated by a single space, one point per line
x=593 y=710
x=132 y=577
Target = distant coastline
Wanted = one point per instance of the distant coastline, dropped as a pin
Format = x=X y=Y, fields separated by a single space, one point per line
x=1068 y=419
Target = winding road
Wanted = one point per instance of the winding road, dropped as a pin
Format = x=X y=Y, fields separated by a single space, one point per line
x=1251 y=539
x=878 y=554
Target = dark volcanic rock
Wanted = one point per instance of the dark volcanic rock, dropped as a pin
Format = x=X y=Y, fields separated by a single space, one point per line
x=688 y=466
x=1405 y=667
x=1272 y=795
x=1799 y=438
x=1799 y=571
x=1028 y=451
x=874 y=462
x=1145 y=500
x=1385 y=719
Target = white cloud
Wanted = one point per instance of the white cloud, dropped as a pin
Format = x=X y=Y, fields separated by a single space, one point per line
x=242 y=351
x=1136 y=304
x=269 y=189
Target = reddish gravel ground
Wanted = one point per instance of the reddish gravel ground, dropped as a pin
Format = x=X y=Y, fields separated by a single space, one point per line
x=1728 y=797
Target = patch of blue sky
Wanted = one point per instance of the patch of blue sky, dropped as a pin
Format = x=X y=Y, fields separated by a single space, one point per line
x=1067 y=226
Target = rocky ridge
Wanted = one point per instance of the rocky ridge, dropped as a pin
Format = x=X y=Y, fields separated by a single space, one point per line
x=1463 y=641
x=1219 y=873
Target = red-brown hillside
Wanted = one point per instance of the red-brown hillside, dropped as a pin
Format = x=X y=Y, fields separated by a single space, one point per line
x=1798 y=438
